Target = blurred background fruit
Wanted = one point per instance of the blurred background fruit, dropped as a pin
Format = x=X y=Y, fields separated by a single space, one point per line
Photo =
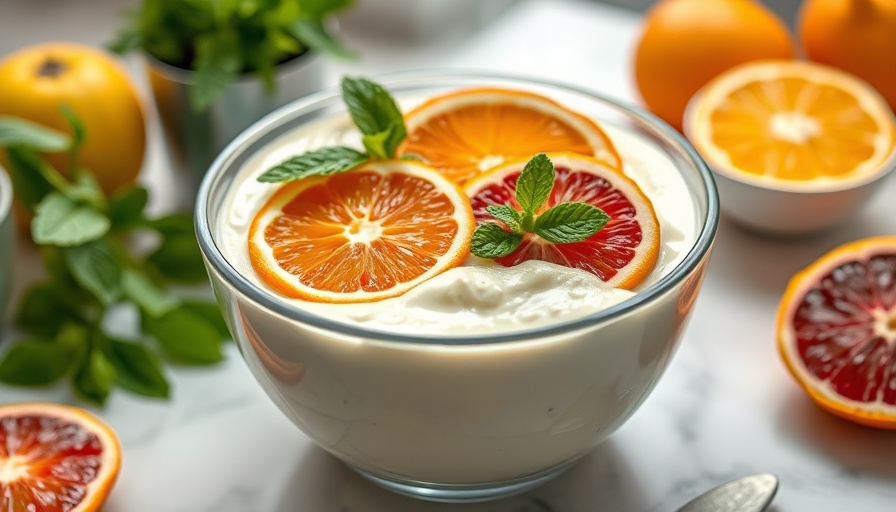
x=685 y=43
x=858 y=36
x=35 y=81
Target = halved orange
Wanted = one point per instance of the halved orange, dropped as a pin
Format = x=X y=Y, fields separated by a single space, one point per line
x=621 y=254
x=792 y=121
x=465 y=132
x=364 y=235
x=55 y=458
x=836 y=331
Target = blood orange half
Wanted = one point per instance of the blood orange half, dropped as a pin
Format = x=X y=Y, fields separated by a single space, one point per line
x=55 y=458
x=622 y=253
x=836 y=331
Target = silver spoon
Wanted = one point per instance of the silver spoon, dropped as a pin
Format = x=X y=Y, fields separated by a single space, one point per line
x=752 y=493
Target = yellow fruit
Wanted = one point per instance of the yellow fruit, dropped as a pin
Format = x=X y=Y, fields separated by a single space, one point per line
x=34 y=83
x=685 y=43
x=858 y=36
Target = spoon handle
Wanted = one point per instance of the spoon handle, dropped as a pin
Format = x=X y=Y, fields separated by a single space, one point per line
x=752 y=493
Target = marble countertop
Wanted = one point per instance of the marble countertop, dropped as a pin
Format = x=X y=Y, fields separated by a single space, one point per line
x=726 y=407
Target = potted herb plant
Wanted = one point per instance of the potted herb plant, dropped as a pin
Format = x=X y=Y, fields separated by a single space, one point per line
x=216 y=66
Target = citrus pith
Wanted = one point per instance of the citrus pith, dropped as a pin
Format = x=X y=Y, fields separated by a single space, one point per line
x=364 y=235
x=621 y=254
x=464 y=133
x=836 y=331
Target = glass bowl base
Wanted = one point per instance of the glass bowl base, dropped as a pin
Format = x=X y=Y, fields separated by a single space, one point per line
x=463 y=493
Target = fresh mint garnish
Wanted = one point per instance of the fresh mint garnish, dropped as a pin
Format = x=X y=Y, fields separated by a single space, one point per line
x=377 y=117
x=561 y=224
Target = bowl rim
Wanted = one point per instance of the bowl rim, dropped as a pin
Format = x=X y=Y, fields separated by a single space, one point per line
x=219 y=264
x=6 y=197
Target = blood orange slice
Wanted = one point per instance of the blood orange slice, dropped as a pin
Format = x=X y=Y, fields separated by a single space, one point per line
x=364 y=235
x=463 y=133
x=836 y=331
x=55 y=458
x=622 y=253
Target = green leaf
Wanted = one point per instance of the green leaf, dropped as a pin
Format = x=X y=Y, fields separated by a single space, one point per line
x=137 y=369
x=176 y=223
x=95 y=377
x=151 y=299
x=534 y=185
x=319 y=162
x=85 y=189
x=217 y=65
x=570 y=222
x=43 y=310
x=127 y=40
x=126 y=207
x=377 y=144
x=179 y=259
x=490 y=240
x=374 y=111
x=79 y=132
x=15 y=132
x=211 y=313
x=96 y=268
x=60 y=221
x=507 y=215
x=185 y=336
x=313 y=34
x=319 y=8
x=28 y=182
x=35 y=362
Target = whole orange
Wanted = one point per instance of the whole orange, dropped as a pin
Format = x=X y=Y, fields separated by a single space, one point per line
x=858 y=36
x=35 y=81
x=686 y=43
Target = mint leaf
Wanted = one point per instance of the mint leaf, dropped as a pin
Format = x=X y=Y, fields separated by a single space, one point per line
x=533 y=187
x=95 y=267
x=185 y=336
x=79 y=133
x=15 y=132
x=314 y=35
x=377 y=144
x=211 y=313
x=374 y=112
x=43 y=310
x=570 y=222
x=218 y=64
x=172 y=224
x=178 y=258
x=126 y=207
x=318 y=162
x=60 y=221
x=137 y=369
x=27 y=180
x=35 y=362
x=507 y=215
x=145 y=294
x=491 y=241
x=94 y=379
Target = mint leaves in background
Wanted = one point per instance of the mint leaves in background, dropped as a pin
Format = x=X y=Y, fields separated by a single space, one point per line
x=377 y=117
x=563 y=223
x=85 y=242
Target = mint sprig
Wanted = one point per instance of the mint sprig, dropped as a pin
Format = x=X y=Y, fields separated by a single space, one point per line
x=83 y=237
x=563 y=223
x=376 y=115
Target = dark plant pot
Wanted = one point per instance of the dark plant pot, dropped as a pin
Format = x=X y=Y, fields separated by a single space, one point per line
x=194 y=139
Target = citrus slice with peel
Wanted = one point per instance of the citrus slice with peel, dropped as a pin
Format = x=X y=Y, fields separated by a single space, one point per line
x=621 y=254
x=363 y=235
x=836 y=331
x=791 y=121
x=55 y=458
x=465 y=132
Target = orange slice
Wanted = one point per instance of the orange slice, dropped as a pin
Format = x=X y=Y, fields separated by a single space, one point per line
x=836 y=331
x=55 y=458
x=791 y=121
x=360 y=236
x=621 y=254
x=466 y=132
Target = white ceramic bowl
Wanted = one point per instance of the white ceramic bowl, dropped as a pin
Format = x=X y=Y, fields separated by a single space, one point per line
x=464 y=417
x=7 y=240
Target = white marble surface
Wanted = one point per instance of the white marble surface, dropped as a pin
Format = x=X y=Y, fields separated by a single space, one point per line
x=726 y=407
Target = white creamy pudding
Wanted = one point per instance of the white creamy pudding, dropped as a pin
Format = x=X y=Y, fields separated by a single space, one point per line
x=484 y=379
x=480 y=296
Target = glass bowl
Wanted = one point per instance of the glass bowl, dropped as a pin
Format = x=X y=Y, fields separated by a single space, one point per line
x=460 y=417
